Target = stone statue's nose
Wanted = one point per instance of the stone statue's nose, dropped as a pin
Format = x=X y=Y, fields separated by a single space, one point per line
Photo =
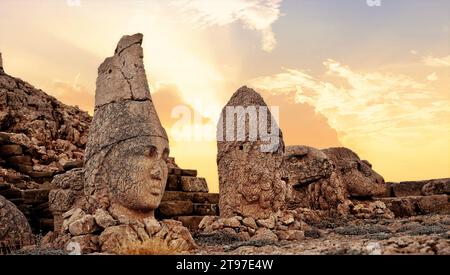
x=156 y=173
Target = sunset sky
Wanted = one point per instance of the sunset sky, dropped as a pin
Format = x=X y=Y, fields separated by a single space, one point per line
x=374 y=79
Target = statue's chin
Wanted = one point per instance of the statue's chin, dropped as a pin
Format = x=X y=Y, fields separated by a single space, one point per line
x=147 y=210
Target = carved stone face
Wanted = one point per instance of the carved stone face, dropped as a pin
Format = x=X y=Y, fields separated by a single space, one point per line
x=139 y=182
x=359 y=178
x=306 y=165
x=309 y=172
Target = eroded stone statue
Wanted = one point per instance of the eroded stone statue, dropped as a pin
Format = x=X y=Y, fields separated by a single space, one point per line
x=125 y=169
x=359 y=179
x=312 y=179
x=126 y=153
x=249 y=176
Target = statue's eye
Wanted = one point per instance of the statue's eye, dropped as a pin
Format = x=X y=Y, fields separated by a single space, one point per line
x=165 y=154
x=152 y=152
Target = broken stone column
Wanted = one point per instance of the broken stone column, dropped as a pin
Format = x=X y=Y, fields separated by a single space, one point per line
x=250 y=152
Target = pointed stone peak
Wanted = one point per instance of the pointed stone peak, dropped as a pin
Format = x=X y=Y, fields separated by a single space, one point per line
x=128 y=40
x=122 y=76
x=246 y=96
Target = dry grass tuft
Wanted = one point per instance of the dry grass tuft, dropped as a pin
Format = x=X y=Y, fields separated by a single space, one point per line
x=149 y=247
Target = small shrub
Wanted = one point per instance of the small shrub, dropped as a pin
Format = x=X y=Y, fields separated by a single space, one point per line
x=150 y=247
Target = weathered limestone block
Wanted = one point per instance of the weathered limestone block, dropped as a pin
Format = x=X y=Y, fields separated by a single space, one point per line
x=421 y=188
x=205 y=209
x=193 y=184
x=196 y=197
x=408 y=188
x=418 y=205
x=173 y=183
x=357 y=175
x=312 y=179
x=67 y=195
x=10 y=150
x=436 y=187
x=249 y=158
x=83 y=226
x=176 y=208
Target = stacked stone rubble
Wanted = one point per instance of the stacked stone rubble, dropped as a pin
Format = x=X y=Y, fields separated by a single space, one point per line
x=412 y=198
x=187 y=198
x=39 y=138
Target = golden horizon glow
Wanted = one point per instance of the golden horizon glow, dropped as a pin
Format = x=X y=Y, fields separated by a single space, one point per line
x=338 y=82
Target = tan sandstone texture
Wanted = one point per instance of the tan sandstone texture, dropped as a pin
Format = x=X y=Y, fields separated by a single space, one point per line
x=249 y=178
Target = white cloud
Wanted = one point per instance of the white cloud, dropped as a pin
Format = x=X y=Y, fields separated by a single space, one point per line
x=437 y=61
x=258 y=15
x=368 y=108
x=432 y=77
x=413 y=52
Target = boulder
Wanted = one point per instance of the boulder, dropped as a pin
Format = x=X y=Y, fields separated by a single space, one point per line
x=104 y=219
x=264 y=234
x=86 y=243
x=250 y=222
x=15 y=231
x=267 y=223
x=83 y=226
x=232 y=222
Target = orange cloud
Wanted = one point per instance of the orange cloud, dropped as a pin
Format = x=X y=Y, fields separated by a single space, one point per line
x=437 y=61
x=390 y=119
x=300 y=123
x=74 y=94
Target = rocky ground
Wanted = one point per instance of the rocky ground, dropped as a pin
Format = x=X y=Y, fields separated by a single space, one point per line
x=429 y=235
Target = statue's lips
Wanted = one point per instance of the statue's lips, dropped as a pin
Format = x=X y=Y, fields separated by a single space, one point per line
x=155 y=193
x=155 y=190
